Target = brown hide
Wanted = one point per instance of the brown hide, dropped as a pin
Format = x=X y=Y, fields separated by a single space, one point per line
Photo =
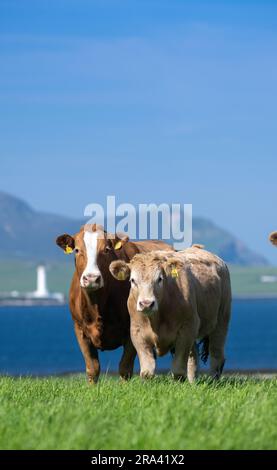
x=102 y=315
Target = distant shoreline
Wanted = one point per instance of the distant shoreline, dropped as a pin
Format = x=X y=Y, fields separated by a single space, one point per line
x=255 y=297
x=53 y=303
x=31 y=303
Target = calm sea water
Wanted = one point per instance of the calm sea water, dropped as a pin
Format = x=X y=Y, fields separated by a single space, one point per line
x=41 y=341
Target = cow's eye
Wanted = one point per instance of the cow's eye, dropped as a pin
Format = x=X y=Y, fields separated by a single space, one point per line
x=160 y=279
x=77 y=250
x=133 y=282
x=107 y=248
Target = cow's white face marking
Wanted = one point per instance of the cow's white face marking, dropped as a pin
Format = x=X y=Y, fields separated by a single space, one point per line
x=92 y=272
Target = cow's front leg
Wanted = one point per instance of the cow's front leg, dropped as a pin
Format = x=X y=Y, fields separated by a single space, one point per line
x=90 y=355
x=126 y=365
x=145 y=352
x=183 y=346
x=147 y=362
x=192 y=367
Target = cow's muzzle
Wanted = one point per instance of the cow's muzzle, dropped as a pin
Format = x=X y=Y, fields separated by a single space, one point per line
x=91 y=281
x=146 y=305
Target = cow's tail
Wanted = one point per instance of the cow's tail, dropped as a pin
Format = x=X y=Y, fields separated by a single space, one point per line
x=203 y=348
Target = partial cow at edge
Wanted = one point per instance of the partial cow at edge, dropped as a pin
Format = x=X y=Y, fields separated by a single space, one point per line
x=176 y=300
x=273 y=238
x=98 y=302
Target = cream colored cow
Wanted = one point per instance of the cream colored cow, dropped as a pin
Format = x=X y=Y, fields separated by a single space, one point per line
x=176 y=299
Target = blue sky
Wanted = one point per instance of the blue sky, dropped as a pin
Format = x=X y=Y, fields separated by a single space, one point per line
x=150 y=100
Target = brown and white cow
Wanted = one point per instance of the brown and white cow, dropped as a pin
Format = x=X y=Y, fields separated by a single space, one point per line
x=273 y=238
x=98 y=302
x=175 y=300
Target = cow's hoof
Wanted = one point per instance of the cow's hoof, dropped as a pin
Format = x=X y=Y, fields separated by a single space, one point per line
x=146 y=375
x=92 y=380
x=179 y=377
x=125 y=377
x=215 y=377
x=192 y=380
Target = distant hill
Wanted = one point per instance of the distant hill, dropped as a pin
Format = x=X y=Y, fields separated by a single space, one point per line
x=26 y=233
x=224 y=244
x=29 y=234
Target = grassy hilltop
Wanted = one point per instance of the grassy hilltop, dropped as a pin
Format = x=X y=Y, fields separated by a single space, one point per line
x=66 y=413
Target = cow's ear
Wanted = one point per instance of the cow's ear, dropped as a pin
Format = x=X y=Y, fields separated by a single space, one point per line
x=273 y=238
x=172 y=267
x=66 y=242
x=119 y=241
x=120 y=270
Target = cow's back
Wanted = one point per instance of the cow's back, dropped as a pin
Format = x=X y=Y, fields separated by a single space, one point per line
x=152 y=245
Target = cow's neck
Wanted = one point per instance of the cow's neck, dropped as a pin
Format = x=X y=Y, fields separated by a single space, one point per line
x=166 y=304
x=94 y=297
x=97 y=301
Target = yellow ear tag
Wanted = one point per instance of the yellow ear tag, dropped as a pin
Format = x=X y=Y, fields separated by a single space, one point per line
x=174 y=272
x=118 y=245
x=121 y=276
x=68 y=250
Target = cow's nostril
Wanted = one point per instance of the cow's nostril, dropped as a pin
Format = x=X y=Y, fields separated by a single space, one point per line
x=149 y=304
x=93 y=278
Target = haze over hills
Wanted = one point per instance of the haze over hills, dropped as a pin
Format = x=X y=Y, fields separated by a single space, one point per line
x=29 y=234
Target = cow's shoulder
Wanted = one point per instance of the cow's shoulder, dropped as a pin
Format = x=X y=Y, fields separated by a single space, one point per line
x=204 y=266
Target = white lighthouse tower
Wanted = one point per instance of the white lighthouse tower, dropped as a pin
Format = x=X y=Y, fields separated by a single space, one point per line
x=42 y=291
x=41 y=296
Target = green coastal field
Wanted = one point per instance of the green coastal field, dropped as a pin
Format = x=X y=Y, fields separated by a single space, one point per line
x=67 y=413
x=21 y=276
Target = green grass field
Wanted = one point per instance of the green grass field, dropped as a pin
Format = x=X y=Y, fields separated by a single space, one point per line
x=246 y=281
x=21 y=276
x=67 y=413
